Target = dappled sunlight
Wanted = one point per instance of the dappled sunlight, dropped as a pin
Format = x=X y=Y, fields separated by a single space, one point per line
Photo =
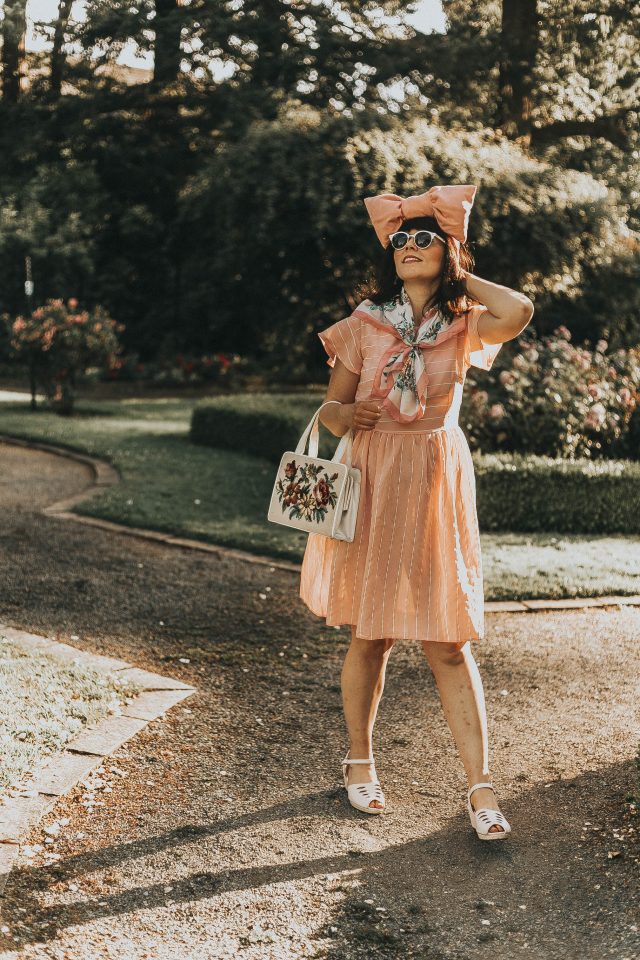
x=560 y=565
x=150 y=425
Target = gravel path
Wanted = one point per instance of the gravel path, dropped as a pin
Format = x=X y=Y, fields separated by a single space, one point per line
x=223 y=830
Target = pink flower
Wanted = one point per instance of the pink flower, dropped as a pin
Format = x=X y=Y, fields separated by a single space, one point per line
x=506 y=376
x=72 y=303
x=480 y=397
x=532 y=355
x=596 y=416
x=519 y=360
x=595 y=391
x=496 y=411
x=625 y=395
x=601 y=346
x=590 y=422
x=564 y=332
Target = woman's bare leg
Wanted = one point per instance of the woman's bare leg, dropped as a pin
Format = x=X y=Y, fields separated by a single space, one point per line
x=363 y=675
x=462 y=696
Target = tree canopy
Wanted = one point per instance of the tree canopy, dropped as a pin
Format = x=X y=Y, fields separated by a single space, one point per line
x=216 y=201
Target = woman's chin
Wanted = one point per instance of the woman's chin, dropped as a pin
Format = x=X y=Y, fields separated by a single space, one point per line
x=418 y=274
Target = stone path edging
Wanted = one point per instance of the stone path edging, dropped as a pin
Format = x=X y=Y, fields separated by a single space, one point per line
x=61 y=772
x=106 y=475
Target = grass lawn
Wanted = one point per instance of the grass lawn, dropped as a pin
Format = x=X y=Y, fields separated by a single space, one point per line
x=222 y=497
x=46 y=701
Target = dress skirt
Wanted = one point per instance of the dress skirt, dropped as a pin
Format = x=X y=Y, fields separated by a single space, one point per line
x=414 y=568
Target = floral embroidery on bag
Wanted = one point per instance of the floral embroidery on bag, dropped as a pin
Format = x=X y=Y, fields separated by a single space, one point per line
x=308 y=495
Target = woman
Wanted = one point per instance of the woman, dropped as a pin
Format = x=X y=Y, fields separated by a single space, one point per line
x=414 y=569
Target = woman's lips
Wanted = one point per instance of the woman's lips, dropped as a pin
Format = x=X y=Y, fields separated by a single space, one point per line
x=407 y=259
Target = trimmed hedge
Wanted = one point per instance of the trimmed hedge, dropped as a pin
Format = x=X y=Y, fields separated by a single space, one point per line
x=529 y=493
x=521 y=493
x=263 y=424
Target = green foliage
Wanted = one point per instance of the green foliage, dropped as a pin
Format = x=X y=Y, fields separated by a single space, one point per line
x=530 y=493
x=262 y=424
x=219 y=205
x=58 y=342
x=220 y=368
x=220 y=496
x=53 y=212
x=552 y=397
x=288 y=238
x=515 y=491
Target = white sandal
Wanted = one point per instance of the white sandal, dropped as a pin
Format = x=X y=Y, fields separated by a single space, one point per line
x=484 y=818
x=359 y=792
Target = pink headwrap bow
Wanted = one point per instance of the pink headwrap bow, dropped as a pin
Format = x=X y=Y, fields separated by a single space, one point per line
x=450 y=205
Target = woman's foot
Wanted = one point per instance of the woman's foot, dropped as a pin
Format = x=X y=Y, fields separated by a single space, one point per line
x=485 y=797
x=362 y=773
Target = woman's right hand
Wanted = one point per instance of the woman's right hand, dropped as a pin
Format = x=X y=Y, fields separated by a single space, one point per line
x=364 y=414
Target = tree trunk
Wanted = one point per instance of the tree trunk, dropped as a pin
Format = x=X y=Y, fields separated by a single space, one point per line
x=58 y=58
x=167 y=53
x=519 y=47
x=14 y=28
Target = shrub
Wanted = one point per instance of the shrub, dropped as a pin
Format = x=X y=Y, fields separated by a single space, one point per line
x=528 y=493
x=555 y=398
x=515 y=491
x=264 y=425
x=59 y=342
x=284 y=253
x=222 y=368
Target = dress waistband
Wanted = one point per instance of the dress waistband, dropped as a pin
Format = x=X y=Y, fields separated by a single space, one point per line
x=404 y=431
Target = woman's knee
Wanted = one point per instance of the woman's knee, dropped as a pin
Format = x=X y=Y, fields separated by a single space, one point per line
x=441 y=654
x=375 y=647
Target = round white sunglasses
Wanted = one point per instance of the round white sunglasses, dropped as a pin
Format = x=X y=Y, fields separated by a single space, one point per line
x=422 y=239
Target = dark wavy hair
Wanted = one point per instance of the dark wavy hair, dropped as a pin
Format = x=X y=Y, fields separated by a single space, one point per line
x=384 y=284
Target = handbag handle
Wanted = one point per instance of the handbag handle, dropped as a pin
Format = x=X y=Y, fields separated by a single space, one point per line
x=346 y=440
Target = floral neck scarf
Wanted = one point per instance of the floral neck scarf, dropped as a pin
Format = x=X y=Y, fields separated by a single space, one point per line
x=401 y=379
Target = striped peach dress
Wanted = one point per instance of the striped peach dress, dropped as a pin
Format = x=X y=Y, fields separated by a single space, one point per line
x=414 y=568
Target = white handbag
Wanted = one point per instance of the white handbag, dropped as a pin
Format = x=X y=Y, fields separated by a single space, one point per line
x=316 y=495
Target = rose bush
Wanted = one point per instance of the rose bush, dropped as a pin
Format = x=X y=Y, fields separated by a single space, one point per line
x=58 y=342
x=556 y=398
x=174 y=371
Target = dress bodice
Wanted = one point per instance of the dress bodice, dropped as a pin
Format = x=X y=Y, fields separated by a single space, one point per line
x=362 y=346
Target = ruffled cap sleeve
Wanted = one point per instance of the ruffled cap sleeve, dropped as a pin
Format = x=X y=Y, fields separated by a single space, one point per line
x=343 y=340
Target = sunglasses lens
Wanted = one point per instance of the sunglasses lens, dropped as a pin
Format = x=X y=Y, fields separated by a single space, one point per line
x=423 y=238
x=399 y=240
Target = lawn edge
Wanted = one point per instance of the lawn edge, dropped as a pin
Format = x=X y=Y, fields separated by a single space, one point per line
x=107 y=475
x=64 y=770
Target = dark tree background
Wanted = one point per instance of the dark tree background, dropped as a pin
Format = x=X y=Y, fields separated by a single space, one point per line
x=216 y=203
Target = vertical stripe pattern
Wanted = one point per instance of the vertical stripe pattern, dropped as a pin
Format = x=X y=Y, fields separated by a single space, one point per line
x=414 y=568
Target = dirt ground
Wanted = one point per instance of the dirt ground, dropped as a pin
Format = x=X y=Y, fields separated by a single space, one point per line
x=223 y=829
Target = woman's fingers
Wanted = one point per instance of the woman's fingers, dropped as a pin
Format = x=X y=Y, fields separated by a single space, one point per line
x=367 y=414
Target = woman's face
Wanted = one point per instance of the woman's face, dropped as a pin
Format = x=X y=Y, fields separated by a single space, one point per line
x=414 y=263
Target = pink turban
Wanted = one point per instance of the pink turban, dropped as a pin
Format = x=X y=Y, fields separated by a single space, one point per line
x=450 y=205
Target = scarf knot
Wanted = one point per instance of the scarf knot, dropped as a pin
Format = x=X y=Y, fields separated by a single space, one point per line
x=401 y=379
